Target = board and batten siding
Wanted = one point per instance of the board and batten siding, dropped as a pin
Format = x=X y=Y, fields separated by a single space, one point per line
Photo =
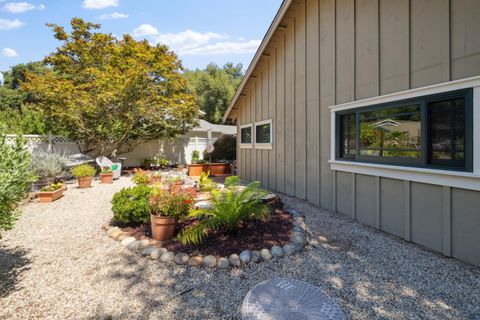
x=328 y=52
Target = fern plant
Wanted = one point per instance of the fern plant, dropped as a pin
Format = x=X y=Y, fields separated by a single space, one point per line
x=229 y=208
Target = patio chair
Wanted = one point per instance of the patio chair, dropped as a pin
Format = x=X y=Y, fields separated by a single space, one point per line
x=104 y=162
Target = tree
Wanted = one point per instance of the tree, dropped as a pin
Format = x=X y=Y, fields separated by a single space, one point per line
x=15 y=178
x=111 y=94
x=215 y=88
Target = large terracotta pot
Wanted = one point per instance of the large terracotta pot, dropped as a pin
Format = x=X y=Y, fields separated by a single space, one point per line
x=194 y=170
x=85 y=182
x=163 y=228
x=106 y=177
x=219 y=169
x=50 y=196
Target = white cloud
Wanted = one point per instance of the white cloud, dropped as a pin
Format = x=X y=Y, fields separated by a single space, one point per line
x=6 y=24
x=145 y=30
x=191 y=42
x=113 y=15
x=229 y=47
x=99 y=4
x=19 y=7
x=9 y=53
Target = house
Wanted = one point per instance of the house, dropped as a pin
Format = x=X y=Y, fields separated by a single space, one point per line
x=179 y=149
x=371 y=108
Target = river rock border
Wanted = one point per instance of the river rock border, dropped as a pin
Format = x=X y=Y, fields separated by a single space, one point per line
x=297 y=241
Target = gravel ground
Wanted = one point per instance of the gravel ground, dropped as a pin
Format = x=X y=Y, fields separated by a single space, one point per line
x=58 y=264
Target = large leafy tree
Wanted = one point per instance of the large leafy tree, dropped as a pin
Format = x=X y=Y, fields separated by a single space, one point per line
x=112 y=94
x=215 y=87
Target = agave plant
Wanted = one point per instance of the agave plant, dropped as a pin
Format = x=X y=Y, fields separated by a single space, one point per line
x=229 y=208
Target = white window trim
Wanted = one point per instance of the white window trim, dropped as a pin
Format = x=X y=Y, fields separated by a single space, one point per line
x=246 y=145
x=465 y=180
x=266 y=145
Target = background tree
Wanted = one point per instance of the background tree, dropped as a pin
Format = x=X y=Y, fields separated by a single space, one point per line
x=215 y=87
x=111 y=94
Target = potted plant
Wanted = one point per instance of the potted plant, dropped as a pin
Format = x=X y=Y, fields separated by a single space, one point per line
x=166 y=210
x=106 y=175
x=84 y=174
x=51 y=193
x=155 y=177
x=141 y=177
x=195 y=156
x=162 y=162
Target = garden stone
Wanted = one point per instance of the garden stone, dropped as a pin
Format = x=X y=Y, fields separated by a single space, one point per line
x=112 y=230
x=195 y=261
x=122 y=236
x=255 y=257
x=299 y=219
x=181 y=258
x=245 y=256
x=209 y=261
x=288 y=249
x=302 y=225
x=235 y=260
x=147 y=251
x=125 y=242
x=157 y=253
x=295 y=213
x=114 y=233
x=266 y=254
x=277 y=251
x=298 y=229
x=133 y=246
x=298 y=239
x=142 y=244
x=223 y=263
x=167 y=257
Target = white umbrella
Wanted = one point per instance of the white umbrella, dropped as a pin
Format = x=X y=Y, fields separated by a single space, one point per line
x=210 y=147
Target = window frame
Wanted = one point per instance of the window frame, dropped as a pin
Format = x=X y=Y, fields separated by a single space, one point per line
x=263 y=145
x=423 y=161
x=250 y=144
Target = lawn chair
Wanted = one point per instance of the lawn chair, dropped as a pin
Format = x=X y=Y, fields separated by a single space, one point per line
x=104 y=162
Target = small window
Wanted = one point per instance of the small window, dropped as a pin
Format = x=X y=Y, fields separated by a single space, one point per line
x=263 y=133
x=432 y=131
x=246 y=135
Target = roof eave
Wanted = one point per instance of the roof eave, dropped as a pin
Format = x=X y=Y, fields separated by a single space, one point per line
x=266 y=39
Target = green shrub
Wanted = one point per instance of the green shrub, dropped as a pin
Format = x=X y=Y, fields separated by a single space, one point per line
x=141 y=178
x=15 y=177
x=232 y=181
x=171 y=205
x=229 y=208
x=205 y=183
x=132 y=205
x=83 y=170
x=48 y=165
x=195 y=156
x=106 y=170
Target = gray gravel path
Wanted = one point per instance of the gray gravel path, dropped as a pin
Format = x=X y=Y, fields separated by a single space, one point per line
x=58 y=264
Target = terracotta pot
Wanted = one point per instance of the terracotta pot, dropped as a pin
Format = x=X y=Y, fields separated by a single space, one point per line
x=106 y=177
x=163 y=228
x=155 y=179
x=50 y=196
x=219 y=169
x=194 y=170
x=176 y=188
x=85 y=182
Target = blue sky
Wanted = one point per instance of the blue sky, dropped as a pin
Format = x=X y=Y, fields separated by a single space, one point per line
x=200 y=31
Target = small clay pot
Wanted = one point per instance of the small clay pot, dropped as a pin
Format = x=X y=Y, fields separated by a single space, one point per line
x=85 y=182
x=50 y=196
x=163 y=228
x=106 y=177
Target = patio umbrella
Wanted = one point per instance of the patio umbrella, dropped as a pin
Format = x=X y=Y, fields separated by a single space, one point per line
x=210 y=147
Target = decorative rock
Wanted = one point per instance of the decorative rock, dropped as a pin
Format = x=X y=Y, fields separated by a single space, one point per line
x=157 y=253
x=255 y=257
x=223 y=263
x=181 y=258
x=299 y=219
x=147 y=251
x=209 y=261
x=122 y=236
x=298 y=229
x=112 y=230
x=298 y=239
x=114 y=233
x=195 y=261
x=265 y=253
x=302 y=225
x=142 y=244
x=125 y=242
x=133 y=246
x=235 y=260
x=288 y=249
x=166 y=257
x=245 y=256
x=277 y=251
x=295 y=213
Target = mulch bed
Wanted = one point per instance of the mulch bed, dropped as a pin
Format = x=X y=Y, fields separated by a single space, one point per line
x=254 y=235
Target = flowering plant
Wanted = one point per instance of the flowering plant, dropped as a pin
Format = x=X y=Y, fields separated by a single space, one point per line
x=171 y=205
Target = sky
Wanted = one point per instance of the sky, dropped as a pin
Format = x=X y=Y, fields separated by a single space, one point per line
x=199 y=31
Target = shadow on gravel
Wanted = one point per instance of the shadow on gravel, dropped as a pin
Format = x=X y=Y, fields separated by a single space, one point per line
x=13 y=262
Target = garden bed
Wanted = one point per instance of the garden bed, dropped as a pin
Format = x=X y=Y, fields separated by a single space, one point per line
x=255 y=235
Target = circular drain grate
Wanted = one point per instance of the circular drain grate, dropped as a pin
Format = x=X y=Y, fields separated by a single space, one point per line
x=289 y=299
